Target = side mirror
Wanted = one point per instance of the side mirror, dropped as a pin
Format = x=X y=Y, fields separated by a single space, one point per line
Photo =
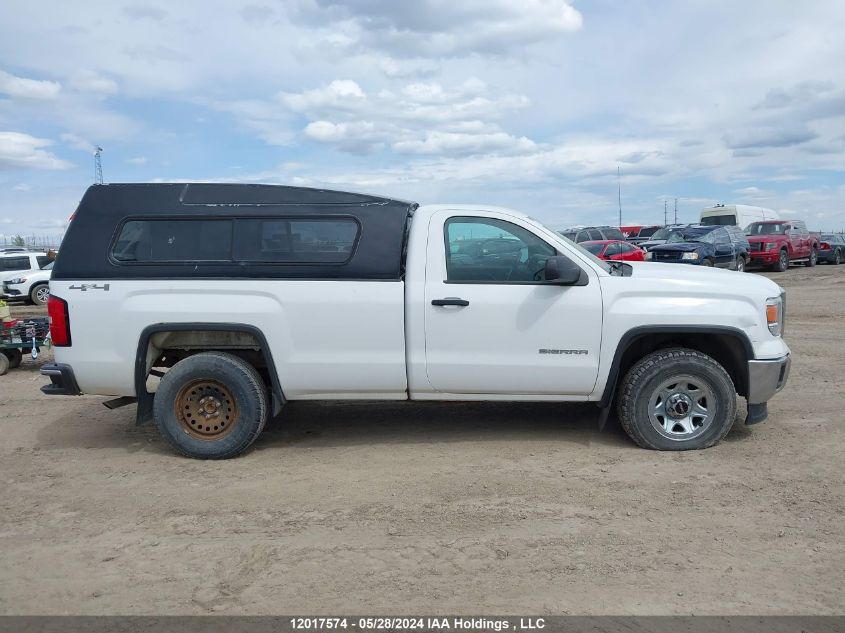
x=562 y=271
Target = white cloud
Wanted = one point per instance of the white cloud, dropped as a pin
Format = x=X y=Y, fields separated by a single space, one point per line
x=22 y=151
x=438 y=28
x=23 y=88
x=137 y=160
x=92 y=82
x=77 y=142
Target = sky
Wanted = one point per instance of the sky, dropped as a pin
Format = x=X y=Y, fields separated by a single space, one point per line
x=535 y=105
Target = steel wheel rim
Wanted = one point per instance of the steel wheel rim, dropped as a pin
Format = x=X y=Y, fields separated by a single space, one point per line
x=740 y=264
x=784 y=260
x=837 y=258
x=206 y=409
x=813 y=257
x=42 y=295
x=682 y=407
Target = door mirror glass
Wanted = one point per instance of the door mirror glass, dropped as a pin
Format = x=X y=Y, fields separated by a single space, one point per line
x=561 y=271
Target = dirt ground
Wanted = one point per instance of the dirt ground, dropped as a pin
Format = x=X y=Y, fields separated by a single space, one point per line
x=435 y=508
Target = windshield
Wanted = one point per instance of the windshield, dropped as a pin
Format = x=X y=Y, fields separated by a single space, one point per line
x=613 y=234
x=692 y=234
x=592 y=247
x=718 y=220
x=760 y=228
x=827 y=237
x=662 y=234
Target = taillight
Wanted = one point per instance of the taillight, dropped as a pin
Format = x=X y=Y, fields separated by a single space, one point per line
x=59 y=321
x=825 y=246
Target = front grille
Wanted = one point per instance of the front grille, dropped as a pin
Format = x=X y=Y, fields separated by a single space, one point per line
x=755 y=246
x=666 y=256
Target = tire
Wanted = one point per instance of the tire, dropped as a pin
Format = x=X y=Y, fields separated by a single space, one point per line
x=707 y=262
x=837 y=257
x=740 y=264
x=684 y=379
x=4 y=364
x=202 y=394
x=814 y=257
x=15 y=357
x=783 y=261
x=39 y=294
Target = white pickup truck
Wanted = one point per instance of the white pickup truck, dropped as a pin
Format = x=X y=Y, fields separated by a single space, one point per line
x=240 y=298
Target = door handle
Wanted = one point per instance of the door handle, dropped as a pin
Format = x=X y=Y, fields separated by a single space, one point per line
x=450 y=301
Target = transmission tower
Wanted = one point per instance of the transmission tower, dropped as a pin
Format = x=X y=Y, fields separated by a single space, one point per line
x=98 y=166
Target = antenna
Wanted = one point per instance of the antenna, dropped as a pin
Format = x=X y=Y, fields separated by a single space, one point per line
x=676 y=210
x=619 y=187
x=98 y=166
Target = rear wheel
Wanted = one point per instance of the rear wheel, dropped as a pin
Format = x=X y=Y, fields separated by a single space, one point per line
x=837 y=257
x=677 y=399
x=15 y=357
x=39 y=294
x=4 y=364
x=783 y=261
x=814 y=256
x=740 y=264
x=211 y=406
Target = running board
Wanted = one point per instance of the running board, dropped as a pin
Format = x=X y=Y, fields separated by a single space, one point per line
x=120 y=402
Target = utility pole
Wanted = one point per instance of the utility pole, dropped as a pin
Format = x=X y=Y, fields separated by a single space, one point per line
x=676 y=210
x=665 y=217
x=98 y=166
x=619 y=187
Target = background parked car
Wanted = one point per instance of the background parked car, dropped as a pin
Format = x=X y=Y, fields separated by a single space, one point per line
x=615 y=250
x=593 y=233
x=658 y=237
x=720 y=246
x=32 y=285
x=778 y=243
x=643 y=233
x=19 y=261
x=832 y=248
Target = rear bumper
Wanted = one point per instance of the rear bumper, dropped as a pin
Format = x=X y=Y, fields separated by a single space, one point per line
x=766 y=378
x=62 y=380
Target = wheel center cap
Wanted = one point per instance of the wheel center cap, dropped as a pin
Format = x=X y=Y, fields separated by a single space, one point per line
x=678 y=405
x=209 y=406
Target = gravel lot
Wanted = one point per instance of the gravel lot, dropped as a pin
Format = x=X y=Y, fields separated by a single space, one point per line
x=472 y=508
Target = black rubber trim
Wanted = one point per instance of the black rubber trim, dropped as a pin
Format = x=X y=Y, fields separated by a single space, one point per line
x=145 y=399
x=638 y=332
x=62 y=380
x=757 y=413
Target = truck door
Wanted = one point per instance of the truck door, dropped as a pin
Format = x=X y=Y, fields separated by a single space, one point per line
x=492 y=326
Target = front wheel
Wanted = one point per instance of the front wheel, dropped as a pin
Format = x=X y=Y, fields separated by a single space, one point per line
x=783 y=261
x=814 y=256
x=837 y=258
x=707 y=262
x=677 y=399
x=740 y=264
x=211 y=406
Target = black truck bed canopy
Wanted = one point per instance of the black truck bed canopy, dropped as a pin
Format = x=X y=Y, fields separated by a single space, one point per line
x=86 y=248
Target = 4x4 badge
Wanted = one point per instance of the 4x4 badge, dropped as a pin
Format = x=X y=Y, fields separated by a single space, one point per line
x=84 y=287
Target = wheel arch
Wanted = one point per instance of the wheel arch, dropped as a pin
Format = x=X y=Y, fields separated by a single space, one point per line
x=728 y=346
x=143 y=358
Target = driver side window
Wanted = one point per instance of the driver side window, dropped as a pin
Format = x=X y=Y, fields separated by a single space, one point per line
x=488 y=250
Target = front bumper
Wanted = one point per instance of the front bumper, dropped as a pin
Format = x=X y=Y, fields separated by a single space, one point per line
x=62 y=380
x=765 y=257
x=766 y=378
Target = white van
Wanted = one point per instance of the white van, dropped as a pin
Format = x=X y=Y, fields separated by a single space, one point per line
x=740 y=215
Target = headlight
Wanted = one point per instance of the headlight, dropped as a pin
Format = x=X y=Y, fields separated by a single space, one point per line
x=775 y=314
x=693 y=256
x=18 y=280
x=770 y=246
x=649 y=255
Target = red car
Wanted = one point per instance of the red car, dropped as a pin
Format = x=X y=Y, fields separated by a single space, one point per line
x=615 y=250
